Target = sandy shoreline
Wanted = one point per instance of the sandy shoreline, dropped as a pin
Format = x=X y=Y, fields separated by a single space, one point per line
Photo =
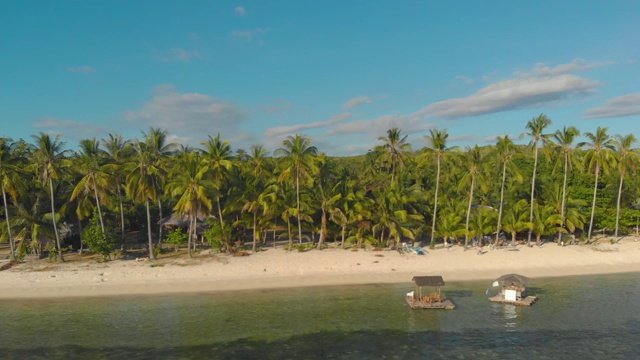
x=277 y=268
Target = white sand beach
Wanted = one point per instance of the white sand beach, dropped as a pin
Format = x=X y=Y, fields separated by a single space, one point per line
x=277 y=268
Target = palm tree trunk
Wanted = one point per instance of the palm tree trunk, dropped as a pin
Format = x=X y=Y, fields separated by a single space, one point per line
x=504 y=179
x=191 y=231
x=55 y=226
x=95 y=193
x=435 y=209
x=80 y=231
x=255 y=238
x=298 y=204
x=533 y=186
x=342 y=240
x=161 y=226
x=593 y=204
x=152 y=256
x=289 y=231
x=564 y=192
x=323 y=229
x=466 y=235
x=121 y=217
x=618 y=203
x=220 y=213
x=6 y=215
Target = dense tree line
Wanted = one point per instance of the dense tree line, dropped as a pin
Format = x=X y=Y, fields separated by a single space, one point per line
x=428 y=191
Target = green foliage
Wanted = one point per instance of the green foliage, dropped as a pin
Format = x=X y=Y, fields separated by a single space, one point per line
x=176 y=237
x=97 y=241
x=218 y=238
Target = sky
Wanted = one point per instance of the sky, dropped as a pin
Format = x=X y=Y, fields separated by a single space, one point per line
x=341 y=72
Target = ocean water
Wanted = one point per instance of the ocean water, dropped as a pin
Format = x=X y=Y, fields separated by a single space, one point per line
x=595 y=317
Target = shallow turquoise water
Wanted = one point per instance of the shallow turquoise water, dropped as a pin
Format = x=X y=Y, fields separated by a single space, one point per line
x=579 y=317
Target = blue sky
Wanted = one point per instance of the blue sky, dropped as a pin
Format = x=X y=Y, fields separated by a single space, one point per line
x=340 y=72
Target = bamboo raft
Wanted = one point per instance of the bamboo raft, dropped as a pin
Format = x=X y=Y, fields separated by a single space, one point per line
x=527 y=301
x=445 y=304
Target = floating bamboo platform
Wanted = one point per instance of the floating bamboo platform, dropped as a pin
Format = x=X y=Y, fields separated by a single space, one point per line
x=528 y=301
x=445 y=304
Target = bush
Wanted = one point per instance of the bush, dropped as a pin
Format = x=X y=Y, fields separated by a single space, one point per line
x=177 y=238
x=97 y=241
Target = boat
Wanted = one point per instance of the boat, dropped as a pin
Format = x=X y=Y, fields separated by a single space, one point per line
x=418 y=300
x=513 y=290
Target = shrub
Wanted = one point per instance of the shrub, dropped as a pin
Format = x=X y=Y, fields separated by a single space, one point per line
x=176 y=237
x=97 y=241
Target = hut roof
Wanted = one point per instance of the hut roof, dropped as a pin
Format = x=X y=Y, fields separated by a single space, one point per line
x=181 y=220
x=428 y=280
x=514 y=278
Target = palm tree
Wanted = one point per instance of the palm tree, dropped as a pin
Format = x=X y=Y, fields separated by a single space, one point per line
x=217 y=156
x=394 y=148
x=119 y=151
x=563 y=142
x=48 y=156
x=597 y=158
x=190 y=185
x=473 y=160
x=89 y=164
x=515 y=219
x=11 y=182
x=142 y=180
x=626 y=160
x=505 y=150
x=437 y=142
x=299 y=157
x=159 y=148
x=546 y=222
x=536 y=127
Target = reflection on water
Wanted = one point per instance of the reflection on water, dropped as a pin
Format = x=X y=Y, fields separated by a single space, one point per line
x=361 y=322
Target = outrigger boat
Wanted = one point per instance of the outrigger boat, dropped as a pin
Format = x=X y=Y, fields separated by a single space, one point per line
x=513 y=290
x=416 y=300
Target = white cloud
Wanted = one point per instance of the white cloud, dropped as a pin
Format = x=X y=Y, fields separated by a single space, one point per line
x=177 y=54
x=278 y=106
x=81 y=69
x=240 y=11
x=356 y=102
x=187 y=114
x=517 y=93
x=575 y=65
x=75 y=130
x=379 y=126
x=626 y=105
x=292 y=129
x=250 y=34
x=464 y=79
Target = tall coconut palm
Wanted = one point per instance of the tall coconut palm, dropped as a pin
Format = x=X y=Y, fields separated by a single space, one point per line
x=536 y=127
x=298 y=158
x=327 y=193
x=11 y=182
x=217 y=156
x=598 y=158
x=505 y=150
x=145 y=172
x=190 y=185
x=160 y=149
x=563 y=143
x=626 y=160
x=394 y=148
x=437 y=142
x=472 y=160
x=89 y=164
x=119 y=151
x=47 y=161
